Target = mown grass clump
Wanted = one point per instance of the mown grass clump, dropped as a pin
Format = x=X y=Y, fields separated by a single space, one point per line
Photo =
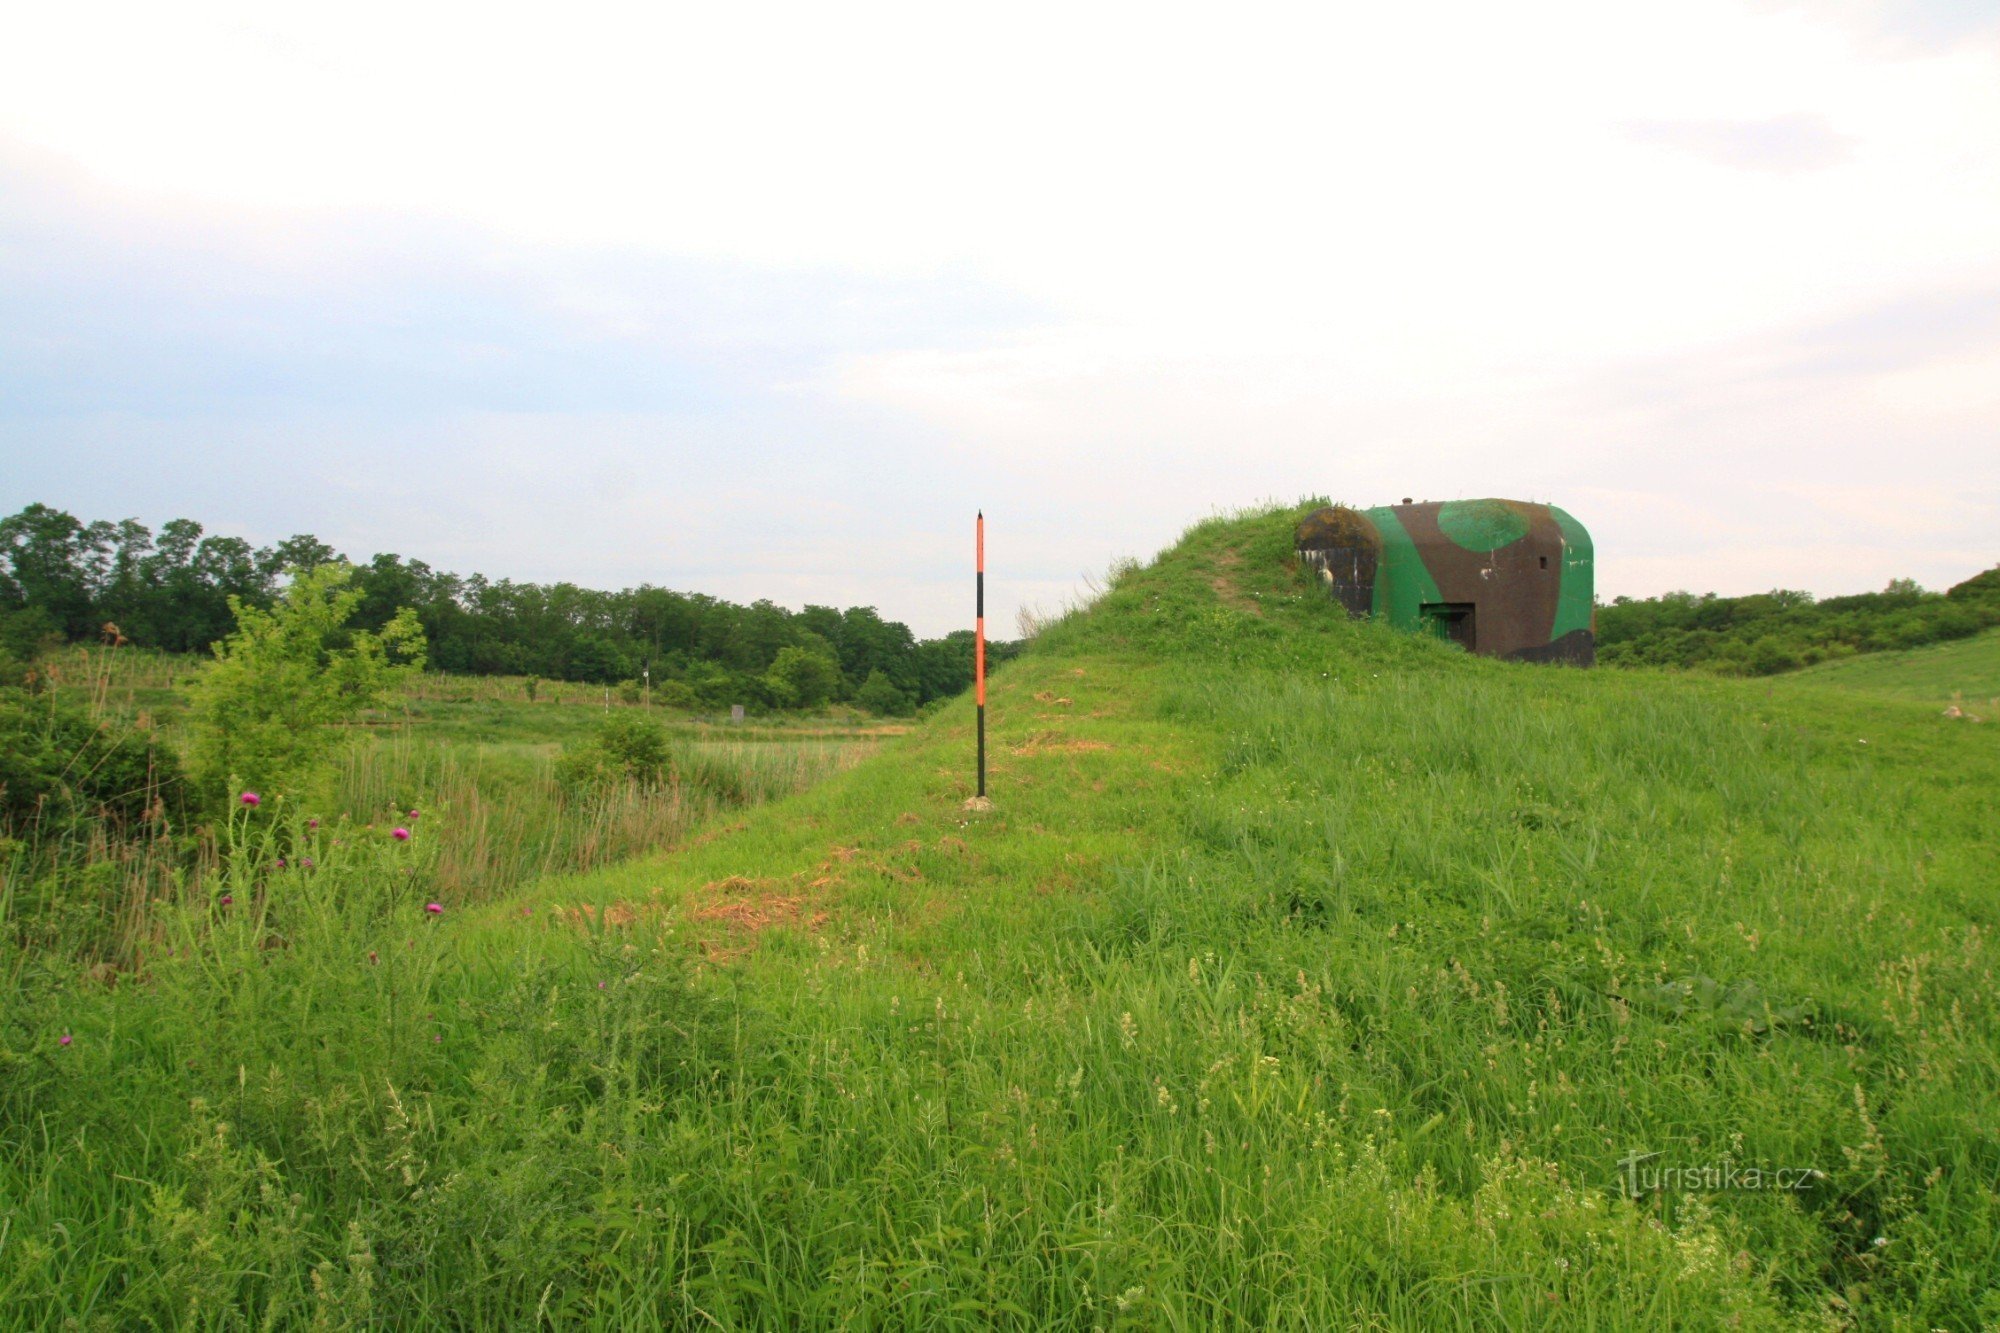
x=1304 y=974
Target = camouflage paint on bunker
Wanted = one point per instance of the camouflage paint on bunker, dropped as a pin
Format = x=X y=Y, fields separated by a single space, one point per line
x=1504 y=578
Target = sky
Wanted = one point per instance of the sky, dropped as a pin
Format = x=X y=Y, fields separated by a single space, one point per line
x=766 y=300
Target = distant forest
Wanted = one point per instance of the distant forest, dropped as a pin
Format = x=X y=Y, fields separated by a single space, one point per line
x=1766 y=633
x=62 y=578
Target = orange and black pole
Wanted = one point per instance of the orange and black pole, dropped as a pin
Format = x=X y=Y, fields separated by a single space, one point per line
x=979 y=640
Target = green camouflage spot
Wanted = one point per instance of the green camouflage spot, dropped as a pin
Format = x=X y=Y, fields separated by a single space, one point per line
x=1575 y=601
x=1482 y=525
x=1404 y=583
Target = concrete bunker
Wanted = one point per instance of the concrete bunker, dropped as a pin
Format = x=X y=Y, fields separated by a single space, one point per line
x=1503 y=578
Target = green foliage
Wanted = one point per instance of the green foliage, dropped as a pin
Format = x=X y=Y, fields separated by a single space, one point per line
x=801 y=677
x=89 y=807
x=1983 y=587
x=26 y=634
x=878 y=694
x=174 y=592
x=1780 y=631
x=1306 y=975
x=675 y=694
x=61 y=769
x=625 y=749
x=264 y=712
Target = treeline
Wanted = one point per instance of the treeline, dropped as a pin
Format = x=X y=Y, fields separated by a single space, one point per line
x=1781 y=630
x=65 y=579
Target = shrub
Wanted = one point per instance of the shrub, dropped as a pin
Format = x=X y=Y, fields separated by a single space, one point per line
x=879 y=694
x=62 y=769
x=675 y=694
x=625 y=748
x=264 y=711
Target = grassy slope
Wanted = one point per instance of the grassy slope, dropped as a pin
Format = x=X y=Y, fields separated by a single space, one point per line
x=1933 y=674
x=1304 y=974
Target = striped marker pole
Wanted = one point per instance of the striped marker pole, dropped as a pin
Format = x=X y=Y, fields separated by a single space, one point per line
x=979 y=641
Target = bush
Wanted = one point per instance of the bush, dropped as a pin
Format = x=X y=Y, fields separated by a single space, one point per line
x=61 y=769
x=675 y=694
x=625 y=748
x=264 y=710
x=879 y=694
x=1778 y=631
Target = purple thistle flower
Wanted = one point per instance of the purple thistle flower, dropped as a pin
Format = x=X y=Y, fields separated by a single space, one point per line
x=400 y=835
x=281 y=863
x=306 y=862
x=252 y=798
x=435 y=909
x=63 y=1040
x=227 y=899
x=312 y=823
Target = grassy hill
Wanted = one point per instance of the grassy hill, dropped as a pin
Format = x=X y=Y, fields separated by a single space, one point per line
x=1935 y=674
x=1304 y=974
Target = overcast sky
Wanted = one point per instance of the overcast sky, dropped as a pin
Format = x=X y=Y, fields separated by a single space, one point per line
x=764 y=301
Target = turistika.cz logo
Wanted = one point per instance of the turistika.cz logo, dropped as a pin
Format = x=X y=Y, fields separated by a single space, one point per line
x=1637 y=1178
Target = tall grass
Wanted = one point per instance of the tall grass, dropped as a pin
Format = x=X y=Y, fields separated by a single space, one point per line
x=502 y=819
x=1304 y=976
x=479 y=771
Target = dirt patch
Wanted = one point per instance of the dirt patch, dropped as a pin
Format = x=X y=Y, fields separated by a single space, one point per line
x=1223 y=582
x=585 y=916
x=1055 y=742
x=745 y=908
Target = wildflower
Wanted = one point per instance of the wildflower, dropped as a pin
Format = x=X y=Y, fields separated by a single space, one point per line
x=400 y=834
x=600 y=985
x=252 y=798
x=281 y=863
x=413 y=814
x=435 y=909
x=436 y=1038
x=312 y=823
x=63 y=1040
x=372 y=958
x=228 y=898
x=306 y=862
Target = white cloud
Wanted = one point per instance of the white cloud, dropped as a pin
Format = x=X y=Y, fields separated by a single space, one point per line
x=1371 y=251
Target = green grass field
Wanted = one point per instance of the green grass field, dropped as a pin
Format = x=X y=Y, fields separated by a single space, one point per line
x=1967 y=670
x=480 y=754
x=1304 y=975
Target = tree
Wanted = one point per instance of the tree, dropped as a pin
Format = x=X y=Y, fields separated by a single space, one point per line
x=51 y=558
x=264 y=711
x=878 y=694
x=801 y=678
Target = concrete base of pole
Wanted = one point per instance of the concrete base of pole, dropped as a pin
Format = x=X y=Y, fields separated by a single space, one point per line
x=979 y=805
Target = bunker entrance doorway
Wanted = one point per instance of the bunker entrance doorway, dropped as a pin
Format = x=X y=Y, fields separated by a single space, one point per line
x=1450 y=621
